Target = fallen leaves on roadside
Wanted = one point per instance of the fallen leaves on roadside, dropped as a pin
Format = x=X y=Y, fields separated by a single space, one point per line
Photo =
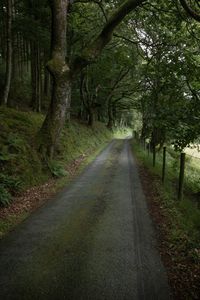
x=182 y=268
x=31 y=199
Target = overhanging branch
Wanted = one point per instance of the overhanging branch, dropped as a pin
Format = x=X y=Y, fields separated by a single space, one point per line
x=91 y=52
x=190 y=11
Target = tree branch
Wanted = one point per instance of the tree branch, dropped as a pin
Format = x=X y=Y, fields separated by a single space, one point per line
x=190 y=11
x=91 y=52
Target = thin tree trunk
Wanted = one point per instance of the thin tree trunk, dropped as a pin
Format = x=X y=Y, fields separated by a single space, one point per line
x=9 y=52
x=90 y=117
x=46 y=83
x=110 y=115
x=36 y=77
x=39 y=80
x=33 y=76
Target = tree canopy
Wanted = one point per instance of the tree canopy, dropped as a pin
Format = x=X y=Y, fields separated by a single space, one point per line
x=106 y=60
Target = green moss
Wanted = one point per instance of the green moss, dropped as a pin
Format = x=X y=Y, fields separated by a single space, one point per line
x=18 y=147
x=20 y=160
x=77 y=139
x=10 y=222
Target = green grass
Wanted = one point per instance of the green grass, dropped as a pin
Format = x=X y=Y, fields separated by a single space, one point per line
x=184 y=215
x=78 y=138
x=9 y=223
x=123 y=132
x=21 y=166
x=192 y=168
x=19 y=158
x=18 y=154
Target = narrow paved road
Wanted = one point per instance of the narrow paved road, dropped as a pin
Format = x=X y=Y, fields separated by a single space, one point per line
x=94 y=241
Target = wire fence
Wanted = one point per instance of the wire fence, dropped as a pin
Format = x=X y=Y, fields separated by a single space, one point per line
x=181 y=167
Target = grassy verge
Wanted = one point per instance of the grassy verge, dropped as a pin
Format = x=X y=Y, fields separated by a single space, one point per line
x=18 y=210
x=178 y=223
x=25 y=181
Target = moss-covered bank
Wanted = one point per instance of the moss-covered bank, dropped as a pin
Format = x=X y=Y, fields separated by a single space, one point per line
x=20 y=162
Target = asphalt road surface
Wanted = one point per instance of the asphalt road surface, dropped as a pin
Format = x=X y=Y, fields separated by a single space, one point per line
x=93 y=241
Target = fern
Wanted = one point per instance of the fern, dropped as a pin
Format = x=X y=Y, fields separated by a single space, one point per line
x=57 y=169
x=5 y=196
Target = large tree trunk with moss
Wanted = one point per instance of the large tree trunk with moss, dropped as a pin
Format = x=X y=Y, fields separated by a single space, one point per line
x=9 y=52
x=55 y=119
x=61 y=91
x=62 y=74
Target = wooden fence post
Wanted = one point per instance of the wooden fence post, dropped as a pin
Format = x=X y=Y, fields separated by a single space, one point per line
x=181 y=176
x=164 y=164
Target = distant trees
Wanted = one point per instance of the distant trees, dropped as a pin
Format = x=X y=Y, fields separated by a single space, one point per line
x=9 y=51
x=25 y=49
x=170 y=67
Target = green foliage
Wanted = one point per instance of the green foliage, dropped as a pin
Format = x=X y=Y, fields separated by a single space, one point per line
x=192 y=176
x=184 y=216
x=18 y=154
x=57 y=168
x=20 y=163
x=12 y=184
x=168 y=74
x=78 y=139
x=10 y=222
x=5 y=196
x=4 y=156
x=15 y=143
x=8 y=186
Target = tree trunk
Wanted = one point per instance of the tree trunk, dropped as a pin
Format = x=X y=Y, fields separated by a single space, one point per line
x=55 y=119
x=61 y=92
x=62 y=74
x=9 y=52
x=33 y=76
x=47 y=83
x=39 y=80
x=110 y=116
x=90 y=117
x=99 y=115
x=36 y=77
